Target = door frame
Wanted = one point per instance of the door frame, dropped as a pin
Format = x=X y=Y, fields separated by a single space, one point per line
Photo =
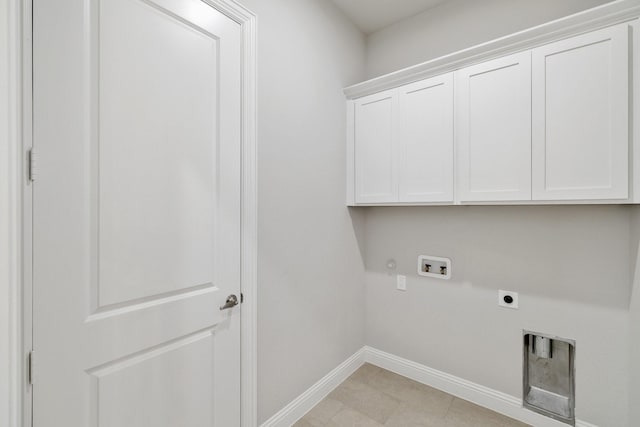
x=16 y=210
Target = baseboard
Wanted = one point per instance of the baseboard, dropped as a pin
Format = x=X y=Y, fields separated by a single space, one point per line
x=310 y=398
x=480 y=395
x=497 y=401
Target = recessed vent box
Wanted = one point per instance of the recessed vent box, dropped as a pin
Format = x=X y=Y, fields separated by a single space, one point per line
x=549 y=376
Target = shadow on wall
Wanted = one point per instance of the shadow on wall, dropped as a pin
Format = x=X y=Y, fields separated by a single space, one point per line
x=634 y=320
x=358 y=221
x=576 y=253
x=634 y=252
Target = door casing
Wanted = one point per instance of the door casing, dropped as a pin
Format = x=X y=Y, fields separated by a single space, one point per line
x=19 y=209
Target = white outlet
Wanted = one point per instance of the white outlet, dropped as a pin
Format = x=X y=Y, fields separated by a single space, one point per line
x=508 y=299
x=401 y=282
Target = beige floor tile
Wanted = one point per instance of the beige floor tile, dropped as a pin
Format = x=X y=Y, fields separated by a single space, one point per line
x=374 y=397
x=304 y=423
x=365 y=399
x=466 y=414
x=391 y=380
x=323 y=411
x=365 y=373
x=423 y=397
x=348 y=417
x=410 y=416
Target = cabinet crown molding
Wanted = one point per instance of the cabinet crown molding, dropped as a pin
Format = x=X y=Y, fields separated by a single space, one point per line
x=616 y=12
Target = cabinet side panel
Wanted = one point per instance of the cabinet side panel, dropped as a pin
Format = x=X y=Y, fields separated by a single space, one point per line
x=351 y=167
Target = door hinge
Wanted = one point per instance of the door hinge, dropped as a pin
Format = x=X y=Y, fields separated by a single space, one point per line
x=31 y=368
x=32 y=164
x=241 y=297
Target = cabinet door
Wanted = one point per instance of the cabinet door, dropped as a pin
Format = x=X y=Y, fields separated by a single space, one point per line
x=494 y=129
x=426 y=140
x=580 y=117
x=376 y=148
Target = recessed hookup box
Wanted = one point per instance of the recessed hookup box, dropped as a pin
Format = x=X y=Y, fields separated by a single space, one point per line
x=549 y=376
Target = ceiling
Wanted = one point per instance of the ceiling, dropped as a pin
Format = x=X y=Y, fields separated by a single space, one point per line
x=372 y=15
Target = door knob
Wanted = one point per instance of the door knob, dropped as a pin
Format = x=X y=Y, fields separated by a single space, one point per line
x=232 y=301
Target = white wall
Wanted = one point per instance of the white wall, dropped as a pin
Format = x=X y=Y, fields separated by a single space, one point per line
x=634 y=321
x=569 y=264
x=8 y=387
x=9 y=246
x=4 y=226
x=459 y=24
x=311 y=274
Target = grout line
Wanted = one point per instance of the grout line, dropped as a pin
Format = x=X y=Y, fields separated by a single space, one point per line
x=450 y=406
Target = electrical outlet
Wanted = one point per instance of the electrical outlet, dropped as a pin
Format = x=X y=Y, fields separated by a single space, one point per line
x=401 y=282
x=508 y=299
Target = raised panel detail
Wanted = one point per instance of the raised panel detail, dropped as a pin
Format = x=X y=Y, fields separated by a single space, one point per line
x=580 y=110
x=166 y=386
x=569 y=128
x=156 y=157
x=375 y=148
x=426 y=140
x=494 y=129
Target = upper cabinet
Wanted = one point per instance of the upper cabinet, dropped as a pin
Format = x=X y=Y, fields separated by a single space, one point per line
x=580 y=117
x=545 y=125
x=426 y=140
x=376 y=150
x=403 y=144
x=493 y=125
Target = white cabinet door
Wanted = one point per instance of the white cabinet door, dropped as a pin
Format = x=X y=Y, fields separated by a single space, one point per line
x=494 y=129
x=376 y=148
x=580 y=117
x=426 y=140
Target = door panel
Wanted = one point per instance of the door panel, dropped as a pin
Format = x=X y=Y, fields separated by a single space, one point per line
x=580 y=116
x=375 y=147
x=426 y=140
x=136 y=214
x=494 y=129
x=181 y=373
x=155 y=96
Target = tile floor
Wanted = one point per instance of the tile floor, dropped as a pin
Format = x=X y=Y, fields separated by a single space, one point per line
x=374 y=397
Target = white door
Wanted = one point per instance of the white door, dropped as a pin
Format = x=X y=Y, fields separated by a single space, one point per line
x=494 y=129
x=136 y=214
x=426 y=140
x=580 y=117
x=376 y=148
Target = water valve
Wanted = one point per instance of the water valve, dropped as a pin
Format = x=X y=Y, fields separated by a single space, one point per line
x=433 y=266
